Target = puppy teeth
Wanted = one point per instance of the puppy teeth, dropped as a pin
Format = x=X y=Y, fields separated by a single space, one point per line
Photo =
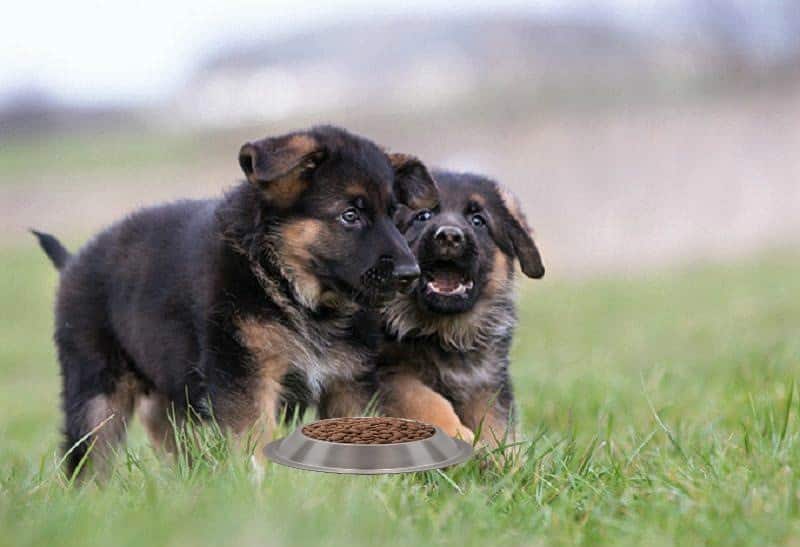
x=460 y=290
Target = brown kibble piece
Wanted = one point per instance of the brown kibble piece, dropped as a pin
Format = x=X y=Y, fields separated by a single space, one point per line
x=368 y=430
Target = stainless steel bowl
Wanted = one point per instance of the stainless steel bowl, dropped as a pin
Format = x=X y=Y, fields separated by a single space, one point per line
x=302 y=452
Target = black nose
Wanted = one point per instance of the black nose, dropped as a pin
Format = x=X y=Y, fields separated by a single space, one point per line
x=449 y=236
x=406 y=274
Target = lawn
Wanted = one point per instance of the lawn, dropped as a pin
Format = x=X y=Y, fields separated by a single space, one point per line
x=85 y=153
x=658 y=409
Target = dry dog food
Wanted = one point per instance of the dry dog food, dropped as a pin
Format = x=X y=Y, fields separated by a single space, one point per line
x=368 y=430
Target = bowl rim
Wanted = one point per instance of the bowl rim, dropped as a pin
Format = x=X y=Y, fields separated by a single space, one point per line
x=465 y=451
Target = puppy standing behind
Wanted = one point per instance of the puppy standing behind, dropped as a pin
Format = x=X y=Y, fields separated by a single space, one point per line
x=216 y=305
x=446 y=361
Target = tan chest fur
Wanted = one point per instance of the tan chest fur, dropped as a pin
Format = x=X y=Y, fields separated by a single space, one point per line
x=276 y=350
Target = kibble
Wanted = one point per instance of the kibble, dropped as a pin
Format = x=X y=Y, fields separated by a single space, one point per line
x=368 y=430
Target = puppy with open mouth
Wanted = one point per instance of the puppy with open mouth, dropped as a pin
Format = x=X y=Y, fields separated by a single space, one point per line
x=446 y=357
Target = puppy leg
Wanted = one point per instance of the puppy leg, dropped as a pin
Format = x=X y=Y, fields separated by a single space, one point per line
x=489 y=411
x=344 y=398
x=249 y=416
x=97 y=422
x=157 y=415
x=249 y=409
x=407 y=397
x=249 y=412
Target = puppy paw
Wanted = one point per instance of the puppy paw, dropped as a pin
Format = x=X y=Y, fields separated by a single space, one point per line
x=461 y=432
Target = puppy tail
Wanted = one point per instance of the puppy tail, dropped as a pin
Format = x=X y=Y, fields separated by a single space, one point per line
x=53 y=248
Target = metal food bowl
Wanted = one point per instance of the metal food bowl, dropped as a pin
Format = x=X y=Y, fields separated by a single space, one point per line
x=302 y=452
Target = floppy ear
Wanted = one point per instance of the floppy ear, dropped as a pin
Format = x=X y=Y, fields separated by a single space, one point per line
x=279 y=166
x=519 y=234
x=413 y=184
x=402 y=217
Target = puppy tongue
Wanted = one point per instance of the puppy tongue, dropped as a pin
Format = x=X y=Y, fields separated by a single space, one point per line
x=447 y=281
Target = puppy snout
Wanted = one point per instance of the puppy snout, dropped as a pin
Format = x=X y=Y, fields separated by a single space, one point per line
x=406 y=274
x=449 y=237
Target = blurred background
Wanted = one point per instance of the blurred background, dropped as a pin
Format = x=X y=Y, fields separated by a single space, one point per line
x=636 y=133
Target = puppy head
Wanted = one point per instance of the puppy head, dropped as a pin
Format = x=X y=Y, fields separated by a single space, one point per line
x=333 y=195
x=467 y=244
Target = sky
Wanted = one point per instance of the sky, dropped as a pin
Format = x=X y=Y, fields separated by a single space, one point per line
x=90 y=52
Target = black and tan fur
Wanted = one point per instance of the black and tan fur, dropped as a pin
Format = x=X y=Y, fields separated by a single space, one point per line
x=233 y=306
x=447 y=356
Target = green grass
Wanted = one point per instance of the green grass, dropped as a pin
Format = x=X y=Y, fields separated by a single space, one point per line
x=126 y=150
x=661 y=409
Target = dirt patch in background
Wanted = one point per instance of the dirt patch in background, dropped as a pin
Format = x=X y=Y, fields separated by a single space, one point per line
x=610 y=190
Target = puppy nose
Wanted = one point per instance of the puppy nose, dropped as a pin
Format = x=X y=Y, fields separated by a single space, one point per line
x=406 y=274
x=449 y=236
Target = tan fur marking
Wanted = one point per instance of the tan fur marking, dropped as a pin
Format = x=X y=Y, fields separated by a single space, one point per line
x=279 y=176
x=255 y=411
x=285 y=191
x=481 y=411
x=397 y=160
x=296 y=147
x=302 y=144
x=113 y=412
x=408 y=397
x=296 y=239
x=153 y=411
x=495 y=430
x=500 y=277
x=355 y=190
x=512 y=206
x=479 y=199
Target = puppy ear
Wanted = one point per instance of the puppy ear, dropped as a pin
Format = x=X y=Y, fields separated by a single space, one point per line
x=402 y=217
x=279 y=166
x=413 y=184
x=518 y=233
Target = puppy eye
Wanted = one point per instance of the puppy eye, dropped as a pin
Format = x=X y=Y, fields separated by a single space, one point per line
x=423 y=216
x=350 y=216
x=478 y=221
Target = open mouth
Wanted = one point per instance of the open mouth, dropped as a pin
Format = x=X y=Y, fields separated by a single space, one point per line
x=447 y=281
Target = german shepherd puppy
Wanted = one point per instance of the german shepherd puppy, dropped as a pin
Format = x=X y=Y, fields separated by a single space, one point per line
x=446 y=358
x=216 y=305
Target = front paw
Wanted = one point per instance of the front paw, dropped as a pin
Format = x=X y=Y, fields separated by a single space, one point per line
x=459 y=431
